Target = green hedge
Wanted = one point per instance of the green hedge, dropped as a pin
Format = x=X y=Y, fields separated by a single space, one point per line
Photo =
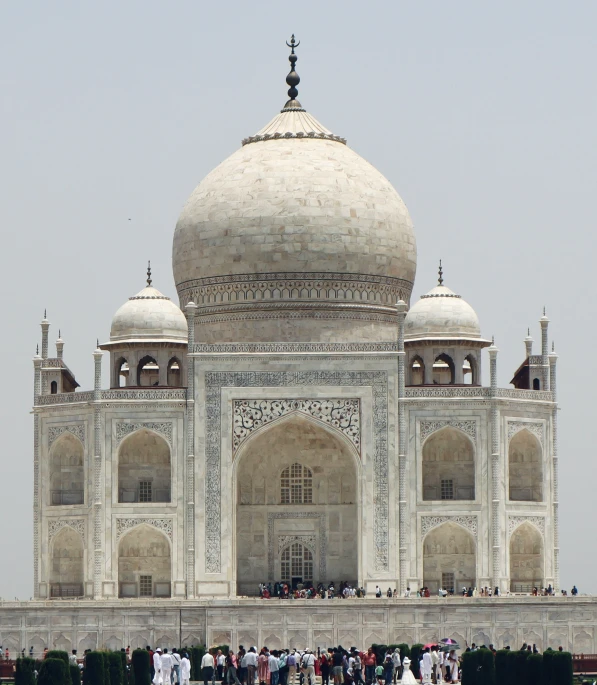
x=562 y=668
x=140 y=667
x=404 y=650
x=415 y=655
x=469 y=665
x=115 y=668
x=535 y=670
x=548 y=678
x=24 y=673
x=52 y=672
x=94 y=669
x=59 y=654
x=520 y=672
x=501 y=668
x=511 y=666
x=75 y=674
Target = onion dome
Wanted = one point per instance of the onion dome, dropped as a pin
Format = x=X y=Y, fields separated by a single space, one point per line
x=149 y=316
x=294 y=237
x=441 y=313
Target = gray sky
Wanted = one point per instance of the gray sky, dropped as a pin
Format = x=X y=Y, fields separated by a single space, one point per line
x=481 y=114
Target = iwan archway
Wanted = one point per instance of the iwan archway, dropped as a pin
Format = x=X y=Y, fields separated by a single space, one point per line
x=297 y=506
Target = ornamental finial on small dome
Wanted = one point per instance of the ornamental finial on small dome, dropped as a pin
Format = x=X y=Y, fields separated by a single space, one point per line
x=440 y=280
x=293 y=79
x=148 y=274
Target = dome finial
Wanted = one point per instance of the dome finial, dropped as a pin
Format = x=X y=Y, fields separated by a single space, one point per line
x=440 y=280
x=148 y=274
x=293 y=79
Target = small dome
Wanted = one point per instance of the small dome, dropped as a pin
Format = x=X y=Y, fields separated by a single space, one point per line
x=441 y=314
x=149 y=315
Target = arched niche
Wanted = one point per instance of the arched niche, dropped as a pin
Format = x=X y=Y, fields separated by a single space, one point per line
x=144 y=468
x=526 y=559
x=331 y=515
x=148 y=372
x=174 y=373
x=449 y=558
x=66 y=570
x=417 y=371
x=121 y=372
x=444 y=370
x=296 y=565
x=525 y=471
x=144 y=563
x=66 y=471
x=448 y=466
x=470 y=370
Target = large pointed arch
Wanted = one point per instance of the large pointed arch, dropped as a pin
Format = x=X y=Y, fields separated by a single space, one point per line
x=448 y=465
x=144 y=468
x=449 y=558
x=66 y=574
x=67 y=472
x=525 y=467
x=264 y=518
x=527 y=558
x=144 y=563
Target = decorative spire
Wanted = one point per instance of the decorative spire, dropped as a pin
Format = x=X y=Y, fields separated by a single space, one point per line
x=440 y=280
x=97 y=343
x=45 y=316
x=37 y=350
x=544 y=311
x=293 y=79
x=529 y=332
x=148 y=274
x=59 y=333
x=553 y=346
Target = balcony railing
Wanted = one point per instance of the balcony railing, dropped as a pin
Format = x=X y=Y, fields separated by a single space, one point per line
x=65 y=497
x=132 y=496
x=60 y=590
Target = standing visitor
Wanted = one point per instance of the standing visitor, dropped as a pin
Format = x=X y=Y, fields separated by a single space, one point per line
x=427 y=666
x=407 y=676
x=308 y=664
x=176 y=661
x=166 y=666
x=452 y=670
x=185 y=670
x=274 y=668
x=220 y=662
x=377 y=591
x=251 y=661
x=370 y=663
x=337 y=659
x=324 y=668
x=291 y=662
x=157 y=667
x=231 y=669
x=207 y=666
x=262 y=668
x=396 y=663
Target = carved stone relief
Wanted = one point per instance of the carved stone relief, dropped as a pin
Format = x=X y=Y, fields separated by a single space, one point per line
x=78 y=430
x=125 y=524
x=163 y=428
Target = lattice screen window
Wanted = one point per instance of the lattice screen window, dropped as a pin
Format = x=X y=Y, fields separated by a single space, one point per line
x=145 y=491
x=448 y=581
x=297 y=562
x=296 y=485
x=447 y=489
x=145 y=586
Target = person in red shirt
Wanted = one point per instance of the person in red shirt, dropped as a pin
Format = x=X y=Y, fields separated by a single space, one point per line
x=370 y=662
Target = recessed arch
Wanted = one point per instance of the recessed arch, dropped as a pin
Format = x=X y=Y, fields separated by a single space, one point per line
x=449 y=558
x=66 y=570
x=144 y=563
x=148 y=372
x=444 y=370
x=144 y=468
x=417 y=371
x=448 y=466
x=121 y=372
x=296 y=438
x=525 y=467
x=470 y=370
x=526 y=558
x=53 y=388
x=174 y=373
x=296 y=564
x=66 y=471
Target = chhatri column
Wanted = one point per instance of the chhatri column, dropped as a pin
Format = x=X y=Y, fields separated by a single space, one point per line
x=191 y=309
x=37 y=360
x=553 y=358
x=401 y=309
x=495 y=469
x=98 y=529
x=45 y=329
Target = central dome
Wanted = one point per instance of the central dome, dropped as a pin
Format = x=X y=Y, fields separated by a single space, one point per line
x=294 y=237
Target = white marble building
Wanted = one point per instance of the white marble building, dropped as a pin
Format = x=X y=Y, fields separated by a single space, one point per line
x=298 y=421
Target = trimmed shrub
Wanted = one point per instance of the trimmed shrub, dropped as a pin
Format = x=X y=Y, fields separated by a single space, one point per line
x=548 y=667
x=380 y=653
x=75 y=674
x=535 y=670
x=94 y=669
x=501 y=668
x=511 y=666
x=470 y=668
x=520 y=672
x=52 y=672
x=415 y=655
x=487 y=664
x=404 y=650
x=115 y=668
x=562 y=668
x=140 y=667
x=106 y=668
x=24 y=673
x=59 y=654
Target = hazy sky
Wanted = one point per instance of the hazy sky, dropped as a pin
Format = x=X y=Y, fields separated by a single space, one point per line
x=483 y=116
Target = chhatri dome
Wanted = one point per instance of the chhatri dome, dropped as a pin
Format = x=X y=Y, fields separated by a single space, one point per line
x=294 y=237
x=148 y=316
x=441 y=313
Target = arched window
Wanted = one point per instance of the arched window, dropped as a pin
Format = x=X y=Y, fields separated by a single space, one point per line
x=66 y=471
x=53 y=387
x=122 y=372
x=144 y=563
x=448 y=466
x=417 y=371
x=174 y=373
x=66 y=570
x=469 y=370
x=449 y=558
x=525 y=468
x=148 y=372
x=296 y=564
x=144 y=468
x=536 y=384
x=296 y=485
x=526 y=559
x=443 y=370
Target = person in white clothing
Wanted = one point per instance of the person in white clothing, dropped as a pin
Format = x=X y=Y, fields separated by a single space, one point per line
x=185 y=670
x=207 y=666
x=407 y=675
x=396 y=663
x=166 y=662
x=176 y=660
x=308 y=664
x=435 y=664
x=427 y=666
x=157 y=667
